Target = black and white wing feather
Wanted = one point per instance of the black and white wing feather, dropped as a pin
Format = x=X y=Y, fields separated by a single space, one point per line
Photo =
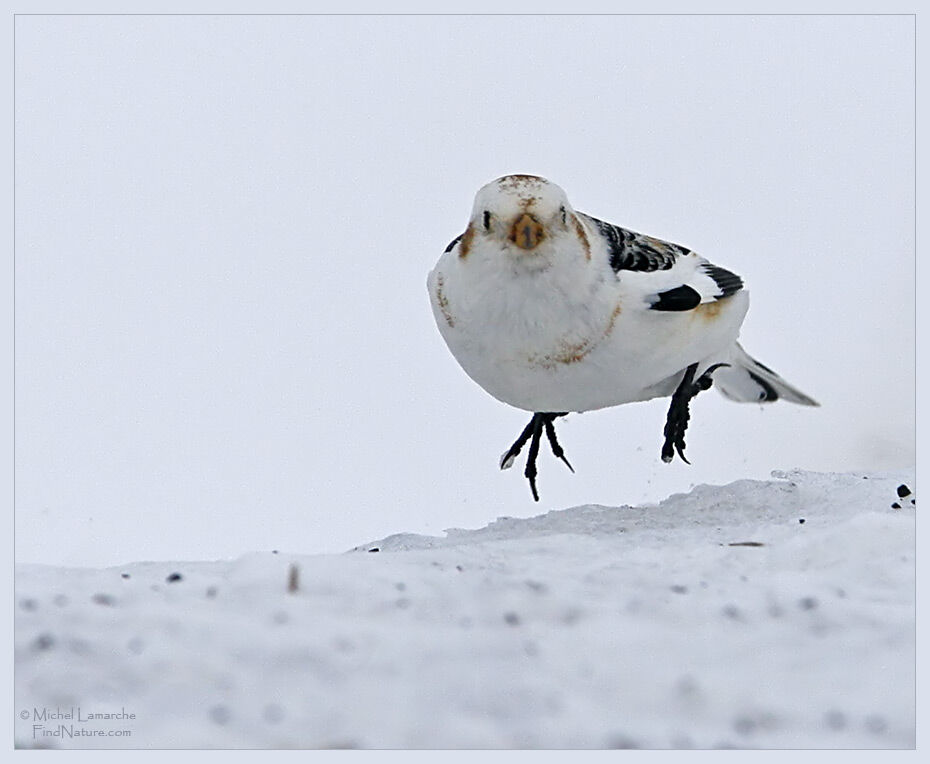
x=452 y=243
x=631 y=251
x=671 y=277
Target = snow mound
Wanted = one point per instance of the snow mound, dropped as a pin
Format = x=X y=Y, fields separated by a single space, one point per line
x=758 y=614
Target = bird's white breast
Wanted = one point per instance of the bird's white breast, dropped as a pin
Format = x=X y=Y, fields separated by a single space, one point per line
x=572 y=336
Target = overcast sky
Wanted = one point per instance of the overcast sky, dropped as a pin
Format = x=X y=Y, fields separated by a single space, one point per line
x=224 y=224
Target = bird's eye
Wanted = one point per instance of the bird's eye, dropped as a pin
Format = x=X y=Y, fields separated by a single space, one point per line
x=487 y=220
x=564 y=214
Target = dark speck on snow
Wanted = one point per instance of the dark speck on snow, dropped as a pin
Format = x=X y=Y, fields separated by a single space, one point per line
x=43 y=642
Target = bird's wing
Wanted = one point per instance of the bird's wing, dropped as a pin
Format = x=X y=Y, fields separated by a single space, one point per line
x=696 y=281
x=669 y=277
x=451 y=245
x=631 y=251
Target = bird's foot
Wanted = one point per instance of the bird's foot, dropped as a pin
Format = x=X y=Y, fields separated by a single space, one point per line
x=533 y=433
x=676 y=423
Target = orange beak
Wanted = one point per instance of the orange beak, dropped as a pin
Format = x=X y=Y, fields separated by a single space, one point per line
x=527 y=232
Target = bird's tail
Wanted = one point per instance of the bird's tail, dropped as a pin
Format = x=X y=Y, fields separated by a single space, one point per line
x=745 y=379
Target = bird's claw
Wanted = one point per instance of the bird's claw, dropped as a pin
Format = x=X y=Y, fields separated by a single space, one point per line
x=533 y=433
x=676 y=422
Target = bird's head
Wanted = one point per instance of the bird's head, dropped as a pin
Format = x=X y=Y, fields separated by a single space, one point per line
x=525 y=216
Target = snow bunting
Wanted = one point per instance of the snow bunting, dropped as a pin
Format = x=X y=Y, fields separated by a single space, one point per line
x=554 y=311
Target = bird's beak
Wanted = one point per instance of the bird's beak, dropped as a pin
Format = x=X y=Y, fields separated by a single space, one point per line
x=527 y=232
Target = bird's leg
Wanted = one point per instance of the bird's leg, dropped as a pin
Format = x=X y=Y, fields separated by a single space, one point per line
x=530 y=471
x=511 y=453
x=554 y=441
x=533 y=433
x=676 y=423
x=677 y=420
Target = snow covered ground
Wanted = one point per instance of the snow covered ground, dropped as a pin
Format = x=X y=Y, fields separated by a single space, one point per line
x=761 y=614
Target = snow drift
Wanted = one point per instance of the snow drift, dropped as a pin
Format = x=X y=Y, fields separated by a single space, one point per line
x=772 y=614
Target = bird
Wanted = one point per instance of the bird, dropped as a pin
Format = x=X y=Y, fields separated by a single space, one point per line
x=553 y=311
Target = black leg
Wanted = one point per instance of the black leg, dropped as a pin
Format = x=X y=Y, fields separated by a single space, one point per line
x=554 y=441
x=678 y=415
x=533 y=433
x=530 y=471
x=676 y=423
x=511 y=453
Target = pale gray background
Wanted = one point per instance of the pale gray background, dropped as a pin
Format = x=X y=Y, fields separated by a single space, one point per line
x=224 y=225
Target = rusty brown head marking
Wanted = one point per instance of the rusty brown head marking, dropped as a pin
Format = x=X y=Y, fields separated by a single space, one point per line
x=512 y=182
x=465 y=243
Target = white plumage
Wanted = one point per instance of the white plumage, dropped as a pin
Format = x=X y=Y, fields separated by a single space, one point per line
x=553 y=311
